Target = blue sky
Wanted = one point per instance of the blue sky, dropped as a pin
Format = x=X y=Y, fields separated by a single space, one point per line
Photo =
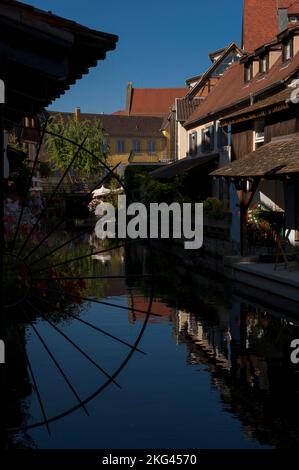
x=161 y=43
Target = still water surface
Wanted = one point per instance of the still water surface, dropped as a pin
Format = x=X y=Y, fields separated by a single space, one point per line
x=215 y=373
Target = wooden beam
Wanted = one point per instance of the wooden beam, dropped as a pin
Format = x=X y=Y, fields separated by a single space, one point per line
x=245 y=198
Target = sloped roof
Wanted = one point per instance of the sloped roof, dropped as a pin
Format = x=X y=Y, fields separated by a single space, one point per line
x=279 y=157
x=214 y=54
x=259 y=107
x=193 y=79
x=185 y=107
x=294 y=8
x=203 y=78
x=124 y=126
x=261 y=21
x=170 y=171
x=50 y=51
x=119 y=112
x=132 y=126
x=231 y=90
x=154 y=101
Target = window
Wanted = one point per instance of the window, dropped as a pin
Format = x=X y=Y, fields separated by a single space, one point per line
x=105 y=145
x=264 y=63
x=287 y=50
x=151 y=146
x=136 y=146
x=293 y=18
x=207 y=139
x=259 y=134
x=121 y=146
x=193 y=143
x=248 y=72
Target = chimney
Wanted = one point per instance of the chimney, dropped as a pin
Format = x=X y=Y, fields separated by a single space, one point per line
x=77 y=113
x=129 y=97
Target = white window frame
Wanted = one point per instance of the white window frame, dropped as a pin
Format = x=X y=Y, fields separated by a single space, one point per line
x=259 y=137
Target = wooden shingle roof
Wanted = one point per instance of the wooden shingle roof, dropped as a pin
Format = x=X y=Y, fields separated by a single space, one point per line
x=275 y=159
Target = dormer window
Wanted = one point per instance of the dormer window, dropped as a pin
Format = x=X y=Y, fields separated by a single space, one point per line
x=264 y=63
x=294 y=19
x=287 y=50
x=248 y=72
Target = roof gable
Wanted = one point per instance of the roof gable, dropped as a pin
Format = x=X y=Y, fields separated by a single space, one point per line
x=216 y=64
x=231 y=90
x=154 y=101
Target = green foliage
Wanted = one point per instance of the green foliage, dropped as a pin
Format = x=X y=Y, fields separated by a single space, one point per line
x=144 y=188
x=62 y=151
x=152 y=190
x=213 y=207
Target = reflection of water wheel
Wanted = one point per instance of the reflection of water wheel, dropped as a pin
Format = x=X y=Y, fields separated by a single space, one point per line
x=46 y=294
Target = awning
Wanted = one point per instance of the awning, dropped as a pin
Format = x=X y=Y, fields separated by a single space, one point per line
x=278 y=158
x=185 y=165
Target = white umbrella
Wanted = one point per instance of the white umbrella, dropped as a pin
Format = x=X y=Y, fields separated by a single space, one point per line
x=102 y=191
x=118 y=190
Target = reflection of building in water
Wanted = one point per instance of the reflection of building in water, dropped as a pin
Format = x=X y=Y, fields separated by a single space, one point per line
x=104 y=258
x=139 y=304
x=247 y=355
x=214 y=340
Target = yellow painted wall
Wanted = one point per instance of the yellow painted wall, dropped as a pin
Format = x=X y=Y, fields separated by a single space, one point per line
x=143 y=156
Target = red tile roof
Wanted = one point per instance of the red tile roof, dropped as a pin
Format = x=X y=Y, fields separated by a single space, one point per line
x=261 y=22
x=294 y=8
x=154 y=101
x=231 y=89
x=120 y=112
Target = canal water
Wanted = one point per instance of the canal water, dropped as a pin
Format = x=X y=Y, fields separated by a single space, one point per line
x=176 y=360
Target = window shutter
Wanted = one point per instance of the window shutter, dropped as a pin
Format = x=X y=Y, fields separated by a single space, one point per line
x=219 y=137
x=202 y=140
x=211 y=138
x=195 y=139
x=190 y=144
x=194 y=142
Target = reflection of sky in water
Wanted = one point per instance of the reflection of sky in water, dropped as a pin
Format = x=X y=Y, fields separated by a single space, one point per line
x=181 y=394
x=163 y=400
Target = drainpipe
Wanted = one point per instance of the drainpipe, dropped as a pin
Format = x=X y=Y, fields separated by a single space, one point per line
x=2 y=366
x=2 y=101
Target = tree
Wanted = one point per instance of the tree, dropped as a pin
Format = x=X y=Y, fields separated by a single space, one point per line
x=62 y=152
